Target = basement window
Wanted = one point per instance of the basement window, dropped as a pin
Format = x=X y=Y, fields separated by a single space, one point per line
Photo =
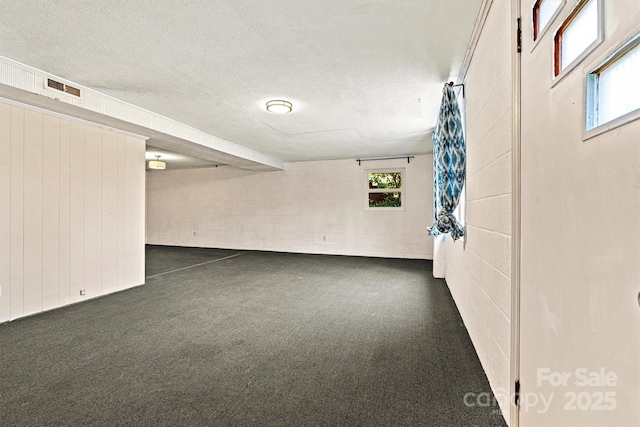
x=384 y=188
x=578 y=36
x=613 y=88
x=544 y=12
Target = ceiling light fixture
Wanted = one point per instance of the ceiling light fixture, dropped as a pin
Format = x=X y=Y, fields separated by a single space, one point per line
x=157 y=164
x=279 y=106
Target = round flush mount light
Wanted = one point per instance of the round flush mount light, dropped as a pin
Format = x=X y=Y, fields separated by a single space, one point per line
x=157 y=164
x=279 y=106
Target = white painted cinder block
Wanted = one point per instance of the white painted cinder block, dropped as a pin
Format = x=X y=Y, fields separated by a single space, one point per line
x=310 y=207
x=492 y=213
x=478 y=270
x=496 y=106
x=494 y=248
x=495 y=144
x=493 y=180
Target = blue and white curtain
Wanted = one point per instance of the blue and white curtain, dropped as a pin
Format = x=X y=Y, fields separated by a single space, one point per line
x=449 y=164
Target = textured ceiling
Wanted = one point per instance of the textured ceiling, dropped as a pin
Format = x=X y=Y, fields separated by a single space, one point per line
x=364 y=76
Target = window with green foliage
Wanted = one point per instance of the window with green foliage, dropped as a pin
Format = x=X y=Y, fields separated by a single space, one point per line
x=384 y=188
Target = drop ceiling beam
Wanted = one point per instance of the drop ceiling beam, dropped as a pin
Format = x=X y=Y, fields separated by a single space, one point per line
x=26 y=85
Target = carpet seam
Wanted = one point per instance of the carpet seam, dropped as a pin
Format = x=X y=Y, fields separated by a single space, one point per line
x=195 y=265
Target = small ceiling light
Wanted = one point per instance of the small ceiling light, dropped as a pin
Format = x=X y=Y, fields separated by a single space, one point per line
x=157 y=164
x=279 y=106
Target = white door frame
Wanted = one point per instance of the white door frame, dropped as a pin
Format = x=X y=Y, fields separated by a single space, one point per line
x=516 y=35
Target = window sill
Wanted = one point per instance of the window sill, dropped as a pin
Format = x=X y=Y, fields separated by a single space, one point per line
x=367 y=208
x=613 y=124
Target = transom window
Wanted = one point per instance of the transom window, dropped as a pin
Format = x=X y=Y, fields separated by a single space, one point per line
x=613 y=88
x=580 y=33
x=543 y=13
x=384 y=188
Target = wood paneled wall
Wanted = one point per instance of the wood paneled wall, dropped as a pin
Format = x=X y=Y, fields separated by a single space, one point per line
x=72 y=209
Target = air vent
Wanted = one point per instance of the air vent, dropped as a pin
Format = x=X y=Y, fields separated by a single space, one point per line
x=56 y=85
x=63 y=87
x=72 y=90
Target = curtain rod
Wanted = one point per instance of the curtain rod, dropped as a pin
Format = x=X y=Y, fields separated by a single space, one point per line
x=458 y=85
x=366 y=159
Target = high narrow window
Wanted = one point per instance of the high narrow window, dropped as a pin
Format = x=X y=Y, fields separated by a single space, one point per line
x=613 y=88
x=577 y=35
x=543 y=13
x=384 y=188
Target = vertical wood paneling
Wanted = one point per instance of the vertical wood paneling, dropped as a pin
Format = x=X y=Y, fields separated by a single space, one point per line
x=76 y=211
x=109 y=212
x=33 y=237
x=131 y=225
x=5 y=212
x=93 y=211
x=142 y=203
x=17 y=210
x=50 y=212
x=64 y=212
x=122 y=210
x=71 y=212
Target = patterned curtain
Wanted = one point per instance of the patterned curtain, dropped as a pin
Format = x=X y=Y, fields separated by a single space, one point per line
x=449 y=164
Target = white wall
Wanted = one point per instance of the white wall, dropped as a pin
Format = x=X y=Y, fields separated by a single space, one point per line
x=580 y=271
x=478 y=270
x=291 y=210
x=71 y=212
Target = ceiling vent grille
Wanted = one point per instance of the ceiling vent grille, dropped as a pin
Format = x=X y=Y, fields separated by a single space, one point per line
x=63 y=87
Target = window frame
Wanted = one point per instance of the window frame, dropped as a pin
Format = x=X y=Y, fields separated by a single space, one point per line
x=591 y=92
x=401 y=190
x=557 y=72
x=460 y=212
x=537 y=33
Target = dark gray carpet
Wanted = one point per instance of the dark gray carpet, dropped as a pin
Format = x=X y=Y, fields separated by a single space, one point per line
x=257 y=339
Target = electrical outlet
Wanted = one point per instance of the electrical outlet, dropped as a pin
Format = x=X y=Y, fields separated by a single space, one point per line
x=83 y=292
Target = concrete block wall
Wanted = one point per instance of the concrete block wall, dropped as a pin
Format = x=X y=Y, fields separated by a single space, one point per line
x=309 y=207
x=478 y=270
